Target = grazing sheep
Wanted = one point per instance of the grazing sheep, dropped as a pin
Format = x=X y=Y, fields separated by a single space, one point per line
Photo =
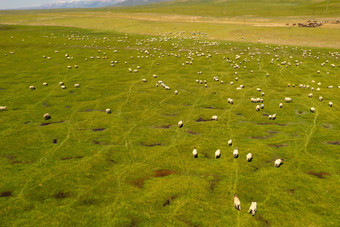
x=310 y=95
x=154 y=76
x=278 y=162
x=262 y=106
x=194 y=153
x=320 y=98
x=230 y=142
x=144 y=80
x=249 y=157
x=63 y=87
x=69 y=67
x=180 y=124
x=258 y=108
x=253 y=208
x=287 y=99
x=45 y=84
x=32 y=87
x=47 y=116
x=214 y=118
x=262 y=93
x=312 y=109
x=77 y=85
x=61 y=83
x=3 y=108
x=76 y=66
x=237 y=202
x=230 y=101
x=217 y=154
x=330 y=104
x=176 y=92
x=108 y=111
x=280 y=105
x=258 y=89
x=235 y=153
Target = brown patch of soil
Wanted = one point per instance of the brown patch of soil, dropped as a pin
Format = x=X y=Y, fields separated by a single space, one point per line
x=98 y=129
x=267 y=123
x=62 y=195
x=334 y=142
x=167 y=202
x=45 y=104
x=264 y=221
x=191 y=132
x=139 y=182
x=272 y=132
x=277 y=145
x=100 y=143
x=201 y=119
x=213 y=108
x=320 y=175
x=151 y=145
x=6 y=194
x=48 y=123
x=163 y=172
x=10 y=157
x=259 y=137
x=68 y=158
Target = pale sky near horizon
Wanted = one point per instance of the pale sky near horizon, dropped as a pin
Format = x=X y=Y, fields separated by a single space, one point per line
x=12 y=4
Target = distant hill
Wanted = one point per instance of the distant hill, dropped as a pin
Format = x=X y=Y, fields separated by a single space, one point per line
x=91 y=4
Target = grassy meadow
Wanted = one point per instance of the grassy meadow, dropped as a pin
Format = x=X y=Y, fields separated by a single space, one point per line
x=134 y=167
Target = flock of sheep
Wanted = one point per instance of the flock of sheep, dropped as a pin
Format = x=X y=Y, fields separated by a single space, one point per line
x=236 y=65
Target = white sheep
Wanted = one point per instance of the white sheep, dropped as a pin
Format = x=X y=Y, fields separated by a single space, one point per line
x=144 y=80
x=47 y=116
x=330 y=104
x=278 y=162
x=310 y=95
x=235 y=153
x=63 y=87
x=69 y=67
x=180 y=124
x=32 y=87
x=253 y=208
x=280 y=105
x=287 y=99
x=320 y=98
x=214 y=118
x=108 y=111
x=176 y=92
x=217 y=153
x=154 y=76
x=77 y=85
x=3 y=108
x=312 y=109
x=249 y=157
x=61 y=83
x=230 y=142
x=194 y=153
x=45 y=84
x=237 y=202
x=258 y=107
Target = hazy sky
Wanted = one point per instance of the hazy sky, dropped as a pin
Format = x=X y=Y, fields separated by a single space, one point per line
x=11 y=4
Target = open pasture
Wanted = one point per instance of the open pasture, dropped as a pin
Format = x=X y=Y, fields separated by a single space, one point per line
x=135 y=166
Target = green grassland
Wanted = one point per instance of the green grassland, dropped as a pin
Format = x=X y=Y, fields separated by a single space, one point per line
x=255 y=21
x=138 y=169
